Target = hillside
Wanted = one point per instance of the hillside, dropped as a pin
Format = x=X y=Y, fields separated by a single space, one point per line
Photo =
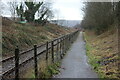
x=68 y=23
x=26 y=35
x=102 y=51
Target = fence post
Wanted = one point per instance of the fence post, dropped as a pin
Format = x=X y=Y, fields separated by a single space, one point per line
x=65 y=44
x=47 y=52
x=57 y=49
x=60 y=48
x=35 y=61
x=17 y=63
x=70 y=38
x=52 y=50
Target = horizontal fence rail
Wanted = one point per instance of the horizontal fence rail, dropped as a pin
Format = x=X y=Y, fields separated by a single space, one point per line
x=52 y=51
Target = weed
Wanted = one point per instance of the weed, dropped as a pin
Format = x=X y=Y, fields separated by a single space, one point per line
x=50 y=70
x=92 y=58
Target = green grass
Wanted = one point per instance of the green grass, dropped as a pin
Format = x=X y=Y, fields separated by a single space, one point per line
x=47 y=72
x=25 y=36
x=50 y=70
x=98 y=50
x=93 y=59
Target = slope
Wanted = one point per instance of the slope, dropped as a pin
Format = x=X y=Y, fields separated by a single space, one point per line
x=103 y=53
x=26 y=35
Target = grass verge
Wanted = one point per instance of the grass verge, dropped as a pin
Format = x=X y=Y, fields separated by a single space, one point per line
x=102 y=53
x=50 y=70
x=93 y=59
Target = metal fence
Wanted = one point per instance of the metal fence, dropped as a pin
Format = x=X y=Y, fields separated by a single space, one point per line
x=51 y=52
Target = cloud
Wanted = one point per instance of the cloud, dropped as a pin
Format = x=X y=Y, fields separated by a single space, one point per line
x=69 y=9
x=63 y=9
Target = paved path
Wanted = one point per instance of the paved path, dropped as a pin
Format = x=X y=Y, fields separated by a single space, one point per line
x=74 y=64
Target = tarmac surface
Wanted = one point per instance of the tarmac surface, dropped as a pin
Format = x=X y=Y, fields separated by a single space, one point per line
x=75 y=62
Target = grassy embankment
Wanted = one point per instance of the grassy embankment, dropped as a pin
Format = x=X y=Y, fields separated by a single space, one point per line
x=25 y=36
x=102 y=51
x=44 y=71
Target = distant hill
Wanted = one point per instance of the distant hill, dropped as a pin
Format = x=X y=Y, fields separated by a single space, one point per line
x=67 y=23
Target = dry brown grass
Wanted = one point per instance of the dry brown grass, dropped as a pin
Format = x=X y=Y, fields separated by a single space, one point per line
x=105 y=48
x=26 y=35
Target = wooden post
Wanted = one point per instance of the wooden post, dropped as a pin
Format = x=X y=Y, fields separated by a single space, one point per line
x=35 y=61
x=72 y=38
x=67 y=43
x=60 y=48
x=63 y=46
x=52 y=50
x=57 y=49
x=69 y=39
x=17 y=64
x=47 y=52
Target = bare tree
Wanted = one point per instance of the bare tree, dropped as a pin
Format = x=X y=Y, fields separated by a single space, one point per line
x=98 y=16
x=13 y=5
x=1 y=8
x=46 y=10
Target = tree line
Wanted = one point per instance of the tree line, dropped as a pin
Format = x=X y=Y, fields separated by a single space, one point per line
x=28 y=10
x=100 y=16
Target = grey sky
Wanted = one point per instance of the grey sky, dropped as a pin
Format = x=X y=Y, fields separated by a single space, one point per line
x=68 y=9
x=63 y=9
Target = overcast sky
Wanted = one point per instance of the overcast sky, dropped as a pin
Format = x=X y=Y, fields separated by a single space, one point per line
x=68 y=9
x=63 y=9
x=72 y=9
